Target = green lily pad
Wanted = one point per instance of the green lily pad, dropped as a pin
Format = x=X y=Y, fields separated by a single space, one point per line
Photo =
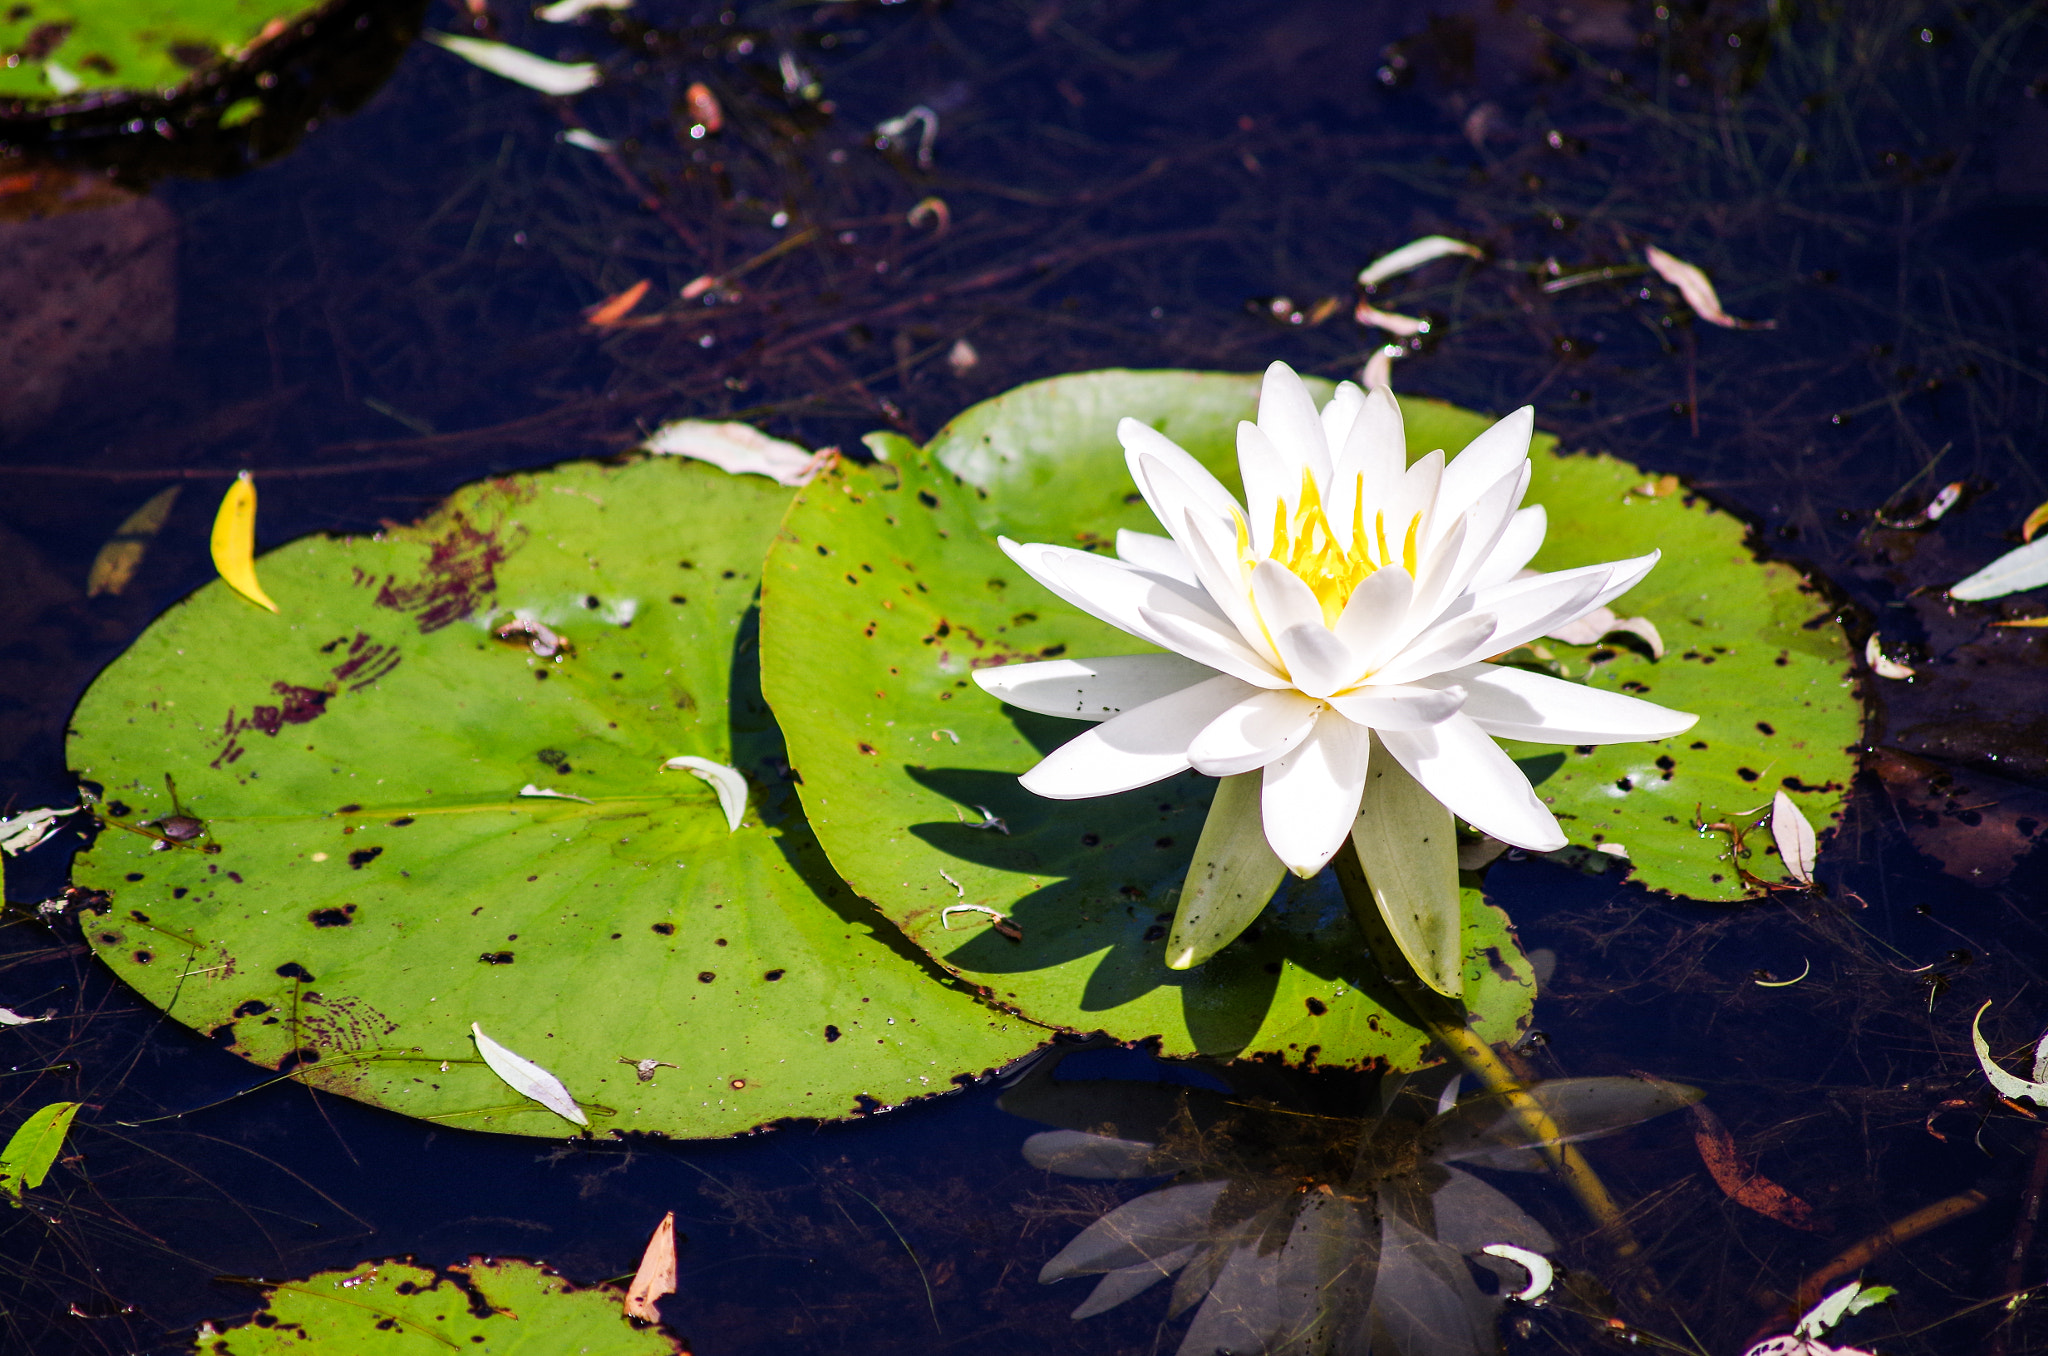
x=78 y=48
x=886 y=589
x=881 y=594
x=1751 y=647
x=397 y=1308
x=372 y=880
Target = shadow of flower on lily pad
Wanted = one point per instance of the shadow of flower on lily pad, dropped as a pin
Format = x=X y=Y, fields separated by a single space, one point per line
x=1291 y=1228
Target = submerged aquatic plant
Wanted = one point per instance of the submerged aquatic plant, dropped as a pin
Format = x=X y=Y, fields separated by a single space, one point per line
x=1299 y=1233
x=1338 y=620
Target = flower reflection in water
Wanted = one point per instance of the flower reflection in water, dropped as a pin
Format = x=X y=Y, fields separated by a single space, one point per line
x=1301 y=1231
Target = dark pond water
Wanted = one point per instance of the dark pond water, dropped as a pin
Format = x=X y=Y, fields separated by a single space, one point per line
x=394 y=309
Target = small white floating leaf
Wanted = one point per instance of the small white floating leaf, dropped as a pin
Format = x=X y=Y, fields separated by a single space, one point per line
x=2007 y=1085
x=1698 y=290
x=1535 y=1263
x=519 y=65
x=1881 y=664
x=589 y=141
x=549 y=793
x=1379 y=368
x=1412 y=255
x=2023 y=568
x=23 y=831
x=1795 y=838
x=9 y=1017
x=1404 y=325
x=563 y=11
x=528 y=1079
x=726 y=781
x=740 y=449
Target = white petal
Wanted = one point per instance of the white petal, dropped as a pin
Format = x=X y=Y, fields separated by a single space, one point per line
x=726 y=781
x=1269 y=480
x=1143 y=438
x=1220 y=573
x=1091 y=689
x=1112 y=590
x=1317 y=661
x=1541 y=603
x=1375 y=615
x=1287 y=414
x=1511 y=703
x=1445 y=646
x=1137 y=748
x=1399 y=707
x=1310 y=795
x=1283 y=600
x=528 y=1079
x=1156 y=554
x=1462 y=767
x=1485 y=523
x=1413 y=495
x=1627 y=574
x=1173 y=500
x=1517 y=546
x=1493 y=454
x=1369 y=463
x=1215 y=643
x=1340 y=414
x=1253 y=733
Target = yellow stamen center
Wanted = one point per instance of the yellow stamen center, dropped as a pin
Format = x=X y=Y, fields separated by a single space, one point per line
x=1305 y=544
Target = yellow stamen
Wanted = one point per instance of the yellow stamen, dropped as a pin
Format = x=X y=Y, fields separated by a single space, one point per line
x=1305 y=543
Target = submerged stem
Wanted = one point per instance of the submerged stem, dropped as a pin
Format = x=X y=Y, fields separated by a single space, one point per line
x=1444 y=1018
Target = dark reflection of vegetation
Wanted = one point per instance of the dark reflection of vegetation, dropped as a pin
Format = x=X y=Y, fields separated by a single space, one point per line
x=1297 y=1229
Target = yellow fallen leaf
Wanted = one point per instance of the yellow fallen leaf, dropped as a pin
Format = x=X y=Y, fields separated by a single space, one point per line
x=234 y=541
x=2024 y=621
x=657 y=1274
x=2036 y=520
x=115 y=565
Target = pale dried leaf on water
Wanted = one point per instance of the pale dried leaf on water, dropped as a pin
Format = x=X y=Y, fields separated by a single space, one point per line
x=1797 y=845
x=9 y=1017
x=234 y=541
x=740 y=449
x=1601 y=622
x=563 y=11
x=657 y=1274
x=1411 y=256
x=726 y=781
x=19 y=833
x=1852 y=1298
x=1698 y=290
x=1379 y=368
x=528 y=1079
x=1881 y=664
x=1406 y=326
x=1541 y=1273
x=115 y=565
x=519 y=65
x=2020 y=569
x=2005 y=1084
x=589 y=141
x=536 y=792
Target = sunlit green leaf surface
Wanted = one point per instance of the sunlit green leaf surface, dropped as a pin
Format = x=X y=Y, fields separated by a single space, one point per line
x=413 y=823
x=398 y=1309
x=71 y=47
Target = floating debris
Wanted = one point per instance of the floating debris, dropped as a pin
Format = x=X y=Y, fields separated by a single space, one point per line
x=519 y=65
x=1698 y=290
x=1797 y=845
x=115 y=565
x=740 y=449
x=528 y=1079
x=234 y=541
x=1412 y=256
x=726 y=781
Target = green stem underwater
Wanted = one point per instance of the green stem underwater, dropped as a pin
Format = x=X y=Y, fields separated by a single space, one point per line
x=1444 y=1019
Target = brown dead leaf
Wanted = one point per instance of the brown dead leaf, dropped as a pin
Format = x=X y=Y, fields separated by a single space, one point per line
x=1742 y=1183
x=657 y=1274
x=612 y=310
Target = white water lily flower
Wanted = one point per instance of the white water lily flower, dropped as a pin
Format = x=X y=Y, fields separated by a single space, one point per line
x=1342 y=615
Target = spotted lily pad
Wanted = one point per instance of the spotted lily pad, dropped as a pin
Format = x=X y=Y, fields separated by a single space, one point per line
x=1751 y=647
x=886 y=589
x=432 y=793
x=67 y=48
x=397 y=1308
